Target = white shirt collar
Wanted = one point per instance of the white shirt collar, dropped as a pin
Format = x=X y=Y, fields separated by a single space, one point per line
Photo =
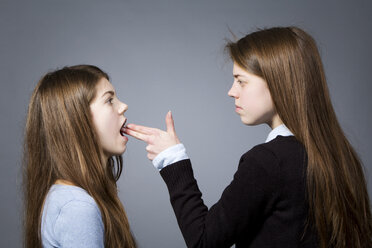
x=279 y=130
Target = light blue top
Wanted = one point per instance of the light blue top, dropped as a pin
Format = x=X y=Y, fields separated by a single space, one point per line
x=177 y=152
x=71 y=218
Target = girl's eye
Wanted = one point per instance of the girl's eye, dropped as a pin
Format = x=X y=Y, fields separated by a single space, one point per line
x=110 y=100
x=240 y=82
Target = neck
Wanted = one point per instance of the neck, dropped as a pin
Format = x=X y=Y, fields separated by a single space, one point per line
x=275 y=122
x=104 y=158
x=64 y=182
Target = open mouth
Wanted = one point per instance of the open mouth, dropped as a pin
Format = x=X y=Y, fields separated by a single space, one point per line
x=122 y=128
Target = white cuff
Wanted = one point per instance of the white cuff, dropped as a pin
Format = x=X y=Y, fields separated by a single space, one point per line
x=169 y=156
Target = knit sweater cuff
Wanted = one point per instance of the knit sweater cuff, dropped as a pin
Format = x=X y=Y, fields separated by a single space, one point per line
x=177 y=174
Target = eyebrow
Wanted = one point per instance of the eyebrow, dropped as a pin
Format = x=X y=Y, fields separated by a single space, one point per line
x=108 y=92
x=237 y=75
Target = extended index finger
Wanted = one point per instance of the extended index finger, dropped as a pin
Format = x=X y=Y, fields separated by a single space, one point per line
x=141 y=129
x=137 y=135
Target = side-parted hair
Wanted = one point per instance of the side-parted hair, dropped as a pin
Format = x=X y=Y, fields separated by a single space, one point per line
x=287 y=58
x=61 y=143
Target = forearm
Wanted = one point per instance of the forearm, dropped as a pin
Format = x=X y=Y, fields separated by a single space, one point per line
x=200 y=228
x=239 y=211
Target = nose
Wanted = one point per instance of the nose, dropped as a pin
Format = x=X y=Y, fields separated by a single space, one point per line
x=122 y=108
x=232 y=92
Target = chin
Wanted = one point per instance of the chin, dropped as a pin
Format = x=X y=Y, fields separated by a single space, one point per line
x=251 y=123
x=248 y=122
x=118 y=152
x=121 y=152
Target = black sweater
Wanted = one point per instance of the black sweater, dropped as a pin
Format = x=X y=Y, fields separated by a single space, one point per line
x=264 y=206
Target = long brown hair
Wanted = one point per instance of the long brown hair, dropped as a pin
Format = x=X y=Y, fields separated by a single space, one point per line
x=61 y=143
x=287 y=58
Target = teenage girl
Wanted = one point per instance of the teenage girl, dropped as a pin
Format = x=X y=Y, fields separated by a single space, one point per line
x=303 y=187
x=73 y=148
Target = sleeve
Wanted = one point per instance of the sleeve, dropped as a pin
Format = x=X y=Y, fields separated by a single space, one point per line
x=169 y=156
x=79 y=224
x=239 y=211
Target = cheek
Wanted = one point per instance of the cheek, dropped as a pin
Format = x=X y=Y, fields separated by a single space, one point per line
x=257 y=100
x=109 y=125
x=251 y=99
x=104 y=124
x=266 y=99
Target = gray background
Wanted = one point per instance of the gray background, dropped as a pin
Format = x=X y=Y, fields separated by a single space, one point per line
x=168 y=55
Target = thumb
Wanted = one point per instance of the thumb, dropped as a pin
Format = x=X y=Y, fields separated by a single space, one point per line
x=170 y=123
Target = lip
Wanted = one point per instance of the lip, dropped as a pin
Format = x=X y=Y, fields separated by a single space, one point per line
x=237 y=108
x=123 y=127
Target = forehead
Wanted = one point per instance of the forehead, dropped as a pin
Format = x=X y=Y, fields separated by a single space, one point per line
x=103 y=85
x=239 y=71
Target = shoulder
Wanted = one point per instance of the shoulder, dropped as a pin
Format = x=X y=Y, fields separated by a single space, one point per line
x=78 y=214
x=62 y=194
x=274 y=155
x=70 y=214
x=284 y=145
x=71 y=201
x=63 y=199
x=276 y=150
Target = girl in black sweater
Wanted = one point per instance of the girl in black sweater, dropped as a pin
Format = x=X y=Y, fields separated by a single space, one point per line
x=304 y=187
